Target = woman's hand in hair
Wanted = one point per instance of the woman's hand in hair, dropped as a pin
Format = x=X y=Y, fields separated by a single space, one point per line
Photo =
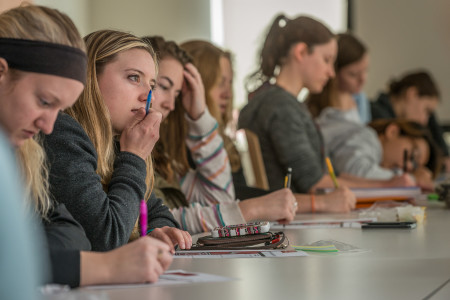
x=143 y=260
x=142 y=134
x=277 y=206
x=172 y=237
x=193 y=92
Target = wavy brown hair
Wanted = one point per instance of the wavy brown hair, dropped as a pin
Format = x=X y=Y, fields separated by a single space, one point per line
x=170 y=154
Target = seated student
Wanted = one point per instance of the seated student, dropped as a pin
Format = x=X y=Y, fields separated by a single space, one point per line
x=414 y=96
x=351 y=66
x=203 y=198
x=99 y=151
x=215 y=67
x=201 y=208
x=336 y=114
x=32 y=93
x=297 y=53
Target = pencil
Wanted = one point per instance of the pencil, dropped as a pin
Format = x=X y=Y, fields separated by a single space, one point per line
x=405 y=161
x=287 y=178
x=331 y=171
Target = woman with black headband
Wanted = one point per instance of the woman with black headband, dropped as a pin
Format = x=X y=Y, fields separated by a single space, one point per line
x=42 y=71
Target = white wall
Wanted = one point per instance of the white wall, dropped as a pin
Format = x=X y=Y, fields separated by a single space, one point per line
x=406 y=34
x=174 y=19
x=77 y=10
x=246 y=23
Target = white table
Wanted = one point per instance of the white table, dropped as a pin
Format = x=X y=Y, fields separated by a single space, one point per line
x=401 y=264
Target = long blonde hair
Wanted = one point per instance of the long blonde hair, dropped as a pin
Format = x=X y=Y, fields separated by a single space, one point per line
x=41 y=24
x=206 y=58
x=91 y=111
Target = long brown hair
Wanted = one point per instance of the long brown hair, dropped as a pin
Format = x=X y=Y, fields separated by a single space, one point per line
x=350 y=50
x=49 y=25
x=206 y=58
x=170 y=154
x=282 y=34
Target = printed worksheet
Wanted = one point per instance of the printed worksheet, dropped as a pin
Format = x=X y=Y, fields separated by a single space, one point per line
x=238 y=253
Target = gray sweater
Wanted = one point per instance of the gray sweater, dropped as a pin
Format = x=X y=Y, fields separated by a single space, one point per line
x=288 y=138
x=108 y=218
x=353 y=147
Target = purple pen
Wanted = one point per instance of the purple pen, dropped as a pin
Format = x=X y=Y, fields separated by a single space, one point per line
x=143 y=217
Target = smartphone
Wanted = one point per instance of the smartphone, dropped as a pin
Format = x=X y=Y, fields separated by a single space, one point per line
x=375 y=225
x=241 y=229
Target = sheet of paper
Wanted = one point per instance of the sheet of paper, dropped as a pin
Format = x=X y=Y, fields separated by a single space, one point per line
x=170 y=277
x=326 y=223
x=238 y=254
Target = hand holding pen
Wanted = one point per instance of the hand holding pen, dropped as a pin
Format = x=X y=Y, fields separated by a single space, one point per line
x=148 y=103
x=142 y=133
x=331 y=171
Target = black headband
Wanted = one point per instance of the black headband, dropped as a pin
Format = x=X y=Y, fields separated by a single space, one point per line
x=44 y=57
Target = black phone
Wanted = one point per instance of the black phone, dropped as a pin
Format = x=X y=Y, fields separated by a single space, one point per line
x=376 y=225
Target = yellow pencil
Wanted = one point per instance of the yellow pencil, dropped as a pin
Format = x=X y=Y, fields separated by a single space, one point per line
x=287 y=178
x=331 y=171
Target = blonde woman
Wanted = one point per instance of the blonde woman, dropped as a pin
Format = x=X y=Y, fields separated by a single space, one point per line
x=32 y=93
x=215 y=67
x=100 y=149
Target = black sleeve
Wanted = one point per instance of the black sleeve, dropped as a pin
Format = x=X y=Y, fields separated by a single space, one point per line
x=159 y=215
x=437 y=133
x=65 y=266
x=63 y=232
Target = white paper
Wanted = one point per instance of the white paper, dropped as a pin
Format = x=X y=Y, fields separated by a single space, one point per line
x=238 y=254
x=327 y=223
x=170 y=277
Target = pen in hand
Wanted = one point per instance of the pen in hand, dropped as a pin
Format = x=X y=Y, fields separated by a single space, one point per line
x=331 y=171
x=143 y=217
x=287 y=178
x=149 y=100
x=405 y=161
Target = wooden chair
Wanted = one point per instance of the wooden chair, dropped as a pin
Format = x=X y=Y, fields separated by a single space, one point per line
x=254 y=156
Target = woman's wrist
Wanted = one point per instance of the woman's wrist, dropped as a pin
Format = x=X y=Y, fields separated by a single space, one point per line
x=94 y=269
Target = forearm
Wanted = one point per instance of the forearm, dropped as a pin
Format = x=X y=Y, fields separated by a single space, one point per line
x=197 y=218
x=93 y=268
x=208 y=153
x=307 y=203
x=350 y=182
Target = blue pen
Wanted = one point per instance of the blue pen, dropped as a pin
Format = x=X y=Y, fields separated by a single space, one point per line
x=149 y=100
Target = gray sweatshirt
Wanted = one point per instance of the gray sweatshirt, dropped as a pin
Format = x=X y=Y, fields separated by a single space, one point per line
x=108 y=218
x=353 y=147
x=288 y=138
